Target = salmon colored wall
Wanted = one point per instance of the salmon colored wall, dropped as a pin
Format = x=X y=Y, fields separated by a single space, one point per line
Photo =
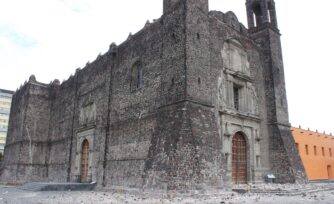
x=317 y=166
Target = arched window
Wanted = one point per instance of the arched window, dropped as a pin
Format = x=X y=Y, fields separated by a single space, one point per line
x=272 y=13
x=257 y=14
x=137 y=77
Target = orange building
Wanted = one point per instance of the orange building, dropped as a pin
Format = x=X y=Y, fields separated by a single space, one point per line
x=317 y=153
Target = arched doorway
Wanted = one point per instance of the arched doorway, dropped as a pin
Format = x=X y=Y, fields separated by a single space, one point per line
x=239 y=159
x=84 y=161
x=329 y=172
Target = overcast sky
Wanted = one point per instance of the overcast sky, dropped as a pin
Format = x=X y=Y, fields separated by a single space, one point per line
x=51 y=38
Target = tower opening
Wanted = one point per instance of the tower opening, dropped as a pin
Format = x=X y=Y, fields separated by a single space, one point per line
x=258 y=14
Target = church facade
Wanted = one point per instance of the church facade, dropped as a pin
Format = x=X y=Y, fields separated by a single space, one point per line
x=193 y=100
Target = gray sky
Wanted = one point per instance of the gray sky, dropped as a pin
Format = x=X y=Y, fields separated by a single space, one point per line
x=51 y=38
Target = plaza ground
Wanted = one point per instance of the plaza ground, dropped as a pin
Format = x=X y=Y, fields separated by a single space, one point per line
x=276 y=194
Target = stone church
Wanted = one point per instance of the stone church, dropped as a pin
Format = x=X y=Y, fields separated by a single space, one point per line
x=193 y=100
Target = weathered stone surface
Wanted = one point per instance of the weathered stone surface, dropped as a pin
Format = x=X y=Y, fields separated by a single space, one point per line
x=161 y=109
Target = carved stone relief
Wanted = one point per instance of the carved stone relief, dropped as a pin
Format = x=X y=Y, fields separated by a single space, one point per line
x=87 y=112
x=235 y=57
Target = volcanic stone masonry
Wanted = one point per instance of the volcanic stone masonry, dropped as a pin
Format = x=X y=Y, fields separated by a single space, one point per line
x=194 y=100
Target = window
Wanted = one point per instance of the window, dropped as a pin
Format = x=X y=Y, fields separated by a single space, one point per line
x=236 y=95
x=323 y=151
x=330 y=152
x=315 y=150
x=306 y=149
x=136 y=77
x=257 y=14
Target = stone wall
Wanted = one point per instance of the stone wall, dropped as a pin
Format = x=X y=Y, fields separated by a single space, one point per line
x=27 y=146
x=158 y=110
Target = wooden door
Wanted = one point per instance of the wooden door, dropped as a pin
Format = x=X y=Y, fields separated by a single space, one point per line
x=84 y=161
x=239 y=159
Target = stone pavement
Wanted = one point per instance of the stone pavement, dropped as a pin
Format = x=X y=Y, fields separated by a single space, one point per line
x=322 y=194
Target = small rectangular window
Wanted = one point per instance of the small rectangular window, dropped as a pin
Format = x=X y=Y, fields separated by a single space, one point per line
x=315 y=150
x=236 y=96
x=330 y=152
x=136 y=77
x=306 y=149
x=323 y=151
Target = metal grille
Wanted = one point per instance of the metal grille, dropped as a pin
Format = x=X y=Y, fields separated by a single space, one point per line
x=84 y=161
x=239 y=159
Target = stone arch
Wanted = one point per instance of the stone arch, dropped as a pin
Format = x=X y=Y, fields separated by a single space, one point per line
x=84 y=162
x=240 y=157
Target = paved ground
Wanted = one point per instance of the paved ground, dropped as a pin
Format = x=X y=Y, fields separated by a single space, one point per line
x=9 y=195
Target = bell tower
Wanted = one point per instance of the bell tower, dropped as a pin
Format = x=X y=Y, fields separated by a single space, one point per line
x=260 y=12
x=286 y=164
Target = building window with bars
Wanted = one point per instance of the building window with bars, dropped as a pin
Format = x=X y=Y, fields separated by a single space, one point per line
x=236 y=97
